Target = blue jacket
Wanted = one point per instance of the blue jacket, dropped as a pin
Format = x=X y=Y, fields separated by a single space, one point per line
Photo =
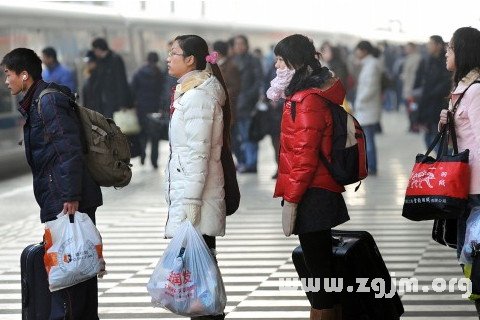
x=61 y=75
x=54 y=152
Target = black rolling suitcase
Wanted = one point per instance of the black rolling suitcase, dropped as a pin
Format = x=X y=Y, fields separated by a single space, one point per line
x=36 y=297
x=356 y=256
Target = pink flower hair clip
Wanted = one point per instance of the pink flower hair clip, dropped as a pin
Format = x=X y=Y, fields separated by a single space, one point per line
x=212 y=58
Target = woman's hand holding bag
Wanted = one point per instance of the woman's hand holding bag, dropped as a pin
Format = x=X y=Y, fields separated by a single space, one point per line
x=438 y=188
x=187 y=280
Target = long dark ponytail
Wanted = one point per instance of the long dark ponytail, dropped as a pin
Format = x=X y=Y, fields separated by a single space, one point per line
x=196 y=46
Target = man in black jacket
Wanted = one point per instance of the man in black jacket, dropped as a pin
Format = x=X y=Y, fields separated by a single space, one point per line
x=147 y=88
x=61 y=181
x=251 y=80
x=112 y=79
x=432 y=87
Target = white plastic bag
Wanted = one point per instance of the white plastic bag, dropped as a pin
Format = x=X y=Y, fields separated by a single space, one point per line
x=187 y=280
x=472 y=237
x=73 y=251
x=127 y=121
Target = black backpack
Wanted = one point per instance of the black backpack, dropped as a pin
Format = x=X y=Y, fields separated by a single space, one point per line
x=349 y=150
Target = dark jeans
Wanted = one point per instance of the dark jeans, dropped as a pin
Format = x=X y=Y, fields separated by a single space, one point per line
x=145 y=137
x=247 y=149
x=370 y=131
x=317 y=251
x=79 y=302
x=211 y=243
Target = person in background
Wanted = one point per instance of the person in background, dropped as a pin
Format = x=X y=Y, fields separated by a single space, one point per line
x=332 y=59
x=61 y=181
x=251 y=76
x=463 y=59
x=368 y=100
x=432 y=87
x=113 y=91
x=275 y=78
x=56 y=72
x=312 y=199
x=199 y=126
x=90 y=98
x=409 y=71
x=147 y=84
x=230 y=74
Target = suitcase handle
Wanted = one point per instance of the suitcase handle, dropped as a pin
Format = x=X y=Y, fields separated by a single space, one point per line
x=338 y=241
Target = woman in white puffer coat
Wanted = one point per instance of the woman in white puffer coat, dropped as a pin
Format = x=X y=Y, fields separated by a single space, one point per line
x=199 y=125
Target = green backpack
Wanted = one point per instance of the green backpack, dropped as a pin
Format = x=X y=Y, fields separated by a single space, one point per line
x=106 y=148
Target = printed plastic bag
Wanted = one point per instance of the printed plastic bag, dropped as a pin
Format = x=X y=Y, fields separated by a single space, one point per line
x=187 y=280
x=73 y=250
x=472 y=237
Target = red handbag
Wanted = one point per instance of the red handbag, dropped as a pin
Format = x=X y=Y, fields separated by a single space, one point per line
x=438 y=188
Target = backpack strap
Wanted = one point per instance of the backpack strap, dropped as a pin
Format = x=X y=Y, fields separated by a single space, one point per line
x=83 y=138
x=44 y=92
x=293 y=110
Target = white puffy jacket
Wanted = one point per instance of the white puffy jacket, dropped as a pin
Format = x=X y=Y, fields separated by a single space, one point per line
x=368 y=101
x=194 y=174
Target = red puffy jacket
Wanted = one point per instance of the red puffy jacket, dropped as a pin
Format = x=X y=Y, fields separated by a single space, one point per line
x=302 y=139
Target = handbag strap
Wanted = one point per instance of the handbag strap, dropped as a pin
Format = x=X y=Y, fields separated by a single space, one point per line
x=438 y=138
x=448 y=131
x=449 y=134
x=457 y=103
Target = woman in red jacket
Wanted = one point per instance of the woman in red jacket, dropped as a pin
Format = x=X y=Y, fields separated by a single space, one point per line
x=312 y=200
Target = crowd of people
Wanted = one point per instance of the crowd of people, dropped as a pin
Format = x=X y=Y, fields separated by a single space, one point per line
x=376 y=78
x=297 y=82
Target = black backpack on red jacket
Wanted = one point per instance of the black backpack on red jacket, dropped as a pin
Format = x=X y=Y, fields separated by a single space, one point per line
x=349 y=151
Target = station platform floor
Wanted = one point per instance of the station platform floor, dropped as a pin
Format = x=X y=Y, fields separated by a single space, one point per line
x=254 y=255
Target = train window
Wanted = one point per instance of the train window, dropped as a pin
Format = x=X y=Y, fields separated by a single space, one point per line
x=6 y=102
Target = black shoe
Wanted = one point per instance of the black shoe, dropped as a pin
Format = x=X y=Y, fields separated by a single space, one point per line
x=155 y=166
x=142 y=160
x=275 y=176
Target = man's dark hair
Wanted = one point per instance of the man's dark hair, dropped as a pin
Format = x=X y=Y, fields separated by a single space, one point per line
x=50 y=52
x=221 y=47
x=100 y=43
x=245 y=40
x=23 y=59
x=437 y=39
x=152 y=57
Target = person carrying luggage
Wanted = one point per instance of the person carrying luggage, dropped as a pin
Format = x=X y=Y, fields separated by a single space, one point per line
x=199 y=126
x=312 y=199
x=61 y=181
x=463 y=59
